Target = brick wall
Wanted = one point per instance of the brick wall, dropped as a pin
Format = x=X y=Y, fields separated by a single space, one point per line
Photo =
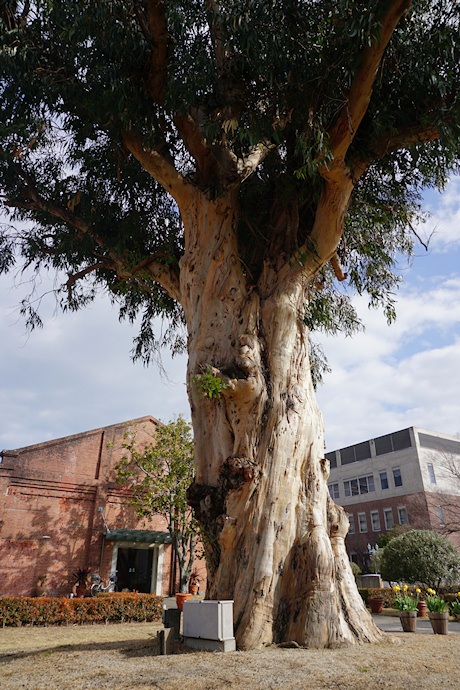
x=417 y=512
x=49 y=499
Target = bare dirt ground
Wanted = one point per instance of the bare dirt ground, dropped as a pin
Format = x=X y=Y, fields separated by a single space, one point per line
x=126 y=656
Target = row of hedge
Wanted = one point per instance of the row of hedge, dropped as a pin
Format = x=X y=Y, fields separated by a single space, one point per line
x=104 y=608
x=389 y=595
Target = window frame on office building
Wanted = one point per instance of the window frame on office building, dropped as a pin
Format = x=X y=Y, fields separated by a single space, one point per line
x=375 y=520
x=384 y=474
x=386 y=512
x=351 y=519
x=359 y=486
x=402 y=510
x=431 y=473
x=440 y=514
x=397 y=477
x=362 y=523
x=334 y=490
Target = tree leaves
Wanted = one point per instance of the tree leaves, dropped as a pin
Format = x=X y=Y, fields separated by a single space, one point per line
x=76 y=75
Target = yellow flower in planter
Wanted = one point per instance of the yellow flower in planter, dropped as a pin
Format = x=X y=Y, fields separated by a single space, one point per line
x=435 y=603
x=405 y=601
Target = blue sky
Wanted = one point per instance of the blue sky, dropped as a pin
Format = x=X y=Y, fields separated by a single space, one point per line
x=76 y=374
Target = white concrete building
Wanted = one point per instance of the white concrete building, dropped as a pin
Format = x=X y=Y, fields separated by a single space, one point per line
x=397 y=479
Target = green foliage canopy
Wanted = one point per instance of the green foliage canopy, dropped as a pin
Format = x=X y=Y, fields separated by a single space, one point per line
x=420 y=557
x=206 y=85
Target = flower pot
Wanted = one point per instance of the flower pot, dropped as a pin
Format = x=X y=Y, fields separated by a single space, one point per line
x=193 y=589
x=180 y=598
x=439 y=622
x=376 y=604
x=408 y=620
x=80 y=591
x=421 y=608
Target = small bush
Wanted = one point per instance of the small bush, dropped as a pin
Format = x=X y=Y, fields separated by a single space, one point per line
x=420 y=556
x=105 y=608
x=355 y=569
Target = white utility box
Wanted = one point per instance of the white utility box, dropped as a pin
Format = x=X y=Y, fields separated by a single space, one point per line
x=209 y=625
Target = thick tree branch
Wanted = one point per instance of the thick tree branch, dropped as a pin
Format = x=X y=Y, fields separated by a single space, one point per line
x=167 y=277
x=216 y=34
x=249 y=163
x=158 y=167
x=393 y=141
x=353 y=111
x=337 y=268
x=206 y=162
x=159 y=44
x=75 y=277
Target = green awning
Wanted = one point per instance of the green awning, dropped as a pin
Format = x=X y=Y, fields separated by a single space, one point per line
x=139 y=535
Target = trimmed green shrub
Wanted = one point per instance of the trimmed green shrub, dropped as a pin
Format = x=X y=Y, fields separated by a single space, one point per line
x=355 y=569
x=104 y=608
x=420 y=556
x=387 y=595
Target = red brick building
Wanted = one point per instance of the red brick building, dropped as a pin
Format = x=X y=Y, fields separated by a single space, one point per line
x=62 y=509
x=398 y=479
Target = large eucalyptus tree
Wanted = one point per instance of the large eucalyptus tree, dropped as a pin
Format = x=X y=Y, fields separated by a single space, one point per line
x=225 y=164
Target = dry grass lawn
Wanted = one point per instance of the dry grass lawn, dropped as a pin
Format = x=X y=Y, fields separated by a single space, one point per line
x=126 y=656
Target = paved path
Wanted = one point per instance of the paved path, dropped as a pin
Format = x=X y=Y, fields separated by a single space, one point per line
x=391 y=624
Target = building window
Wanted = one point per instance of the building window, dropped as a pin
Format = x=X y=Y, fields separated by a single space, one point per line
x=388 y=515
x=375 y=520
x=360 y=485
x=397 y=477
x=402 y=516
x=362 y=522
x=334 y=490
x=440 y=515
x=383 y=480
x=351 y=518
x=431 y=473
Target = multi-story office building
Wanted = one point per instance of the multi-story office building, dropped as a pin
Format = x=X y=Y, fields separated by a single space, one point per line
x=402 y=478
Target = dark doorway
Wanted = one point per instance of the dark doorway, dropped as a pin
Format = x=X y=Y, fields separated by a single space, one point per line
x=134 y=568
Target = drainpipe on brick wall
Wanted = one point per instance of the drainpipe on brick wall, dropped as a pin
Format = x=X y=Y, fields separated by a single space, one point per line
x=103 y=537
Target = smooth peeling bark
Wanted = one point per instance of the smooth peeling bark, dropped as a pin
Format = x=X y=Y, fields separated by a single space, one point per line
x=274 y=539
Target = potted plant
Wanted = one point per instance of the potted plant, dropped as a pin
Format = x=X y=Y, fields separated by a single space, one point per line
x=40 y=587
x=455 y=607
x=80 y=578
x=438 y=612
x=406 y=604
x=180 y=598
x=376 y=603
x=421 y=607
x=193 y=583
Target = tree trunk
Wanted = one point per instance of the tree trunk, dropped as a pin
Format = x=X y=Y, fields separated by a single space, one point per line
x=184 y=547
x=273 y=537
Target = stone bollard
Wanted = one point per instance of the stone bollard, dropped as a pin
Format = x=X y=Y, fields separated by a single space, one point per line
x=171 y=619
x=165 y=641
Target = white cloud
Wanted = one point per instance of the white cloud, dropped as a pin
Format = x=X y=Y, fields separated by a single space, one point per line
x=76 y=374
x=392 y=377
x=445 y=220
